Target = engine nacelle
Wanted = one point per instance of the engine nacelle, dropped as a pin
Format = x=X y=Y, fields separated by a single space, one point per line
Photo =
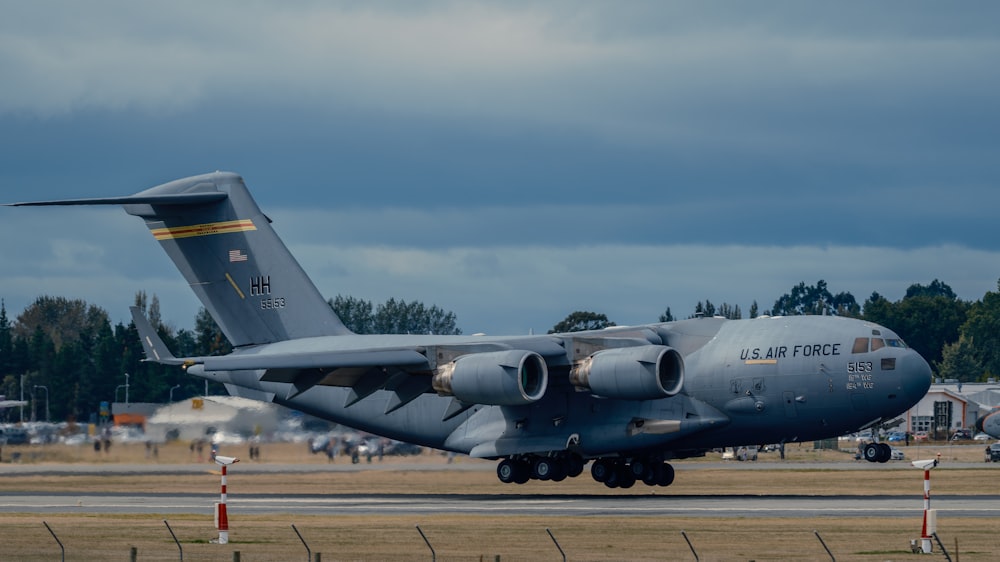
x=498 y=378
x=646 y=372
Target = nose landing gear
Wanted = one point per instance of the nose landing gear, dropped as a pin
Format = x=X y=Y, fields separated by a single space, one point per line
x=877 y=452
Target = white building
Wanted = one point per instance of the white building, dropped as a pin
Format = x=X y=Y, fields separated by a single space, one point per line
x=212 y=418
x=952 y=405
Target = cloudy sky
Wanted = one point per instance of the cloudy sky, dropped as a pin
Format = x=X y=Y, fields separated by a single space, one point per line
x=513 y=162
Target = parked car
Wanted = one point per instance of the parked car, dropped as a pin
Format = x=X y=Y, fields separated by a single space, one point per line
x=961 y=435
x=982 y=437
x=748 y=453
x=993 y=453
x=14 y=435
x=920 y=436
x=895 y=437
x=897 y=455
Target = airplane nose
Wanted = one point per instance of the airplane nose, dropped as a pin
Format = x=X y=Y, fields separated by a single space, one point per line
x=916 y=379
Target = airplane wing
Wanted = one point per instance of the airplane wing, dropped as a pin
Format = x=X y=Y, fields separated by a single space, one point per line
x=381 y=357
x=158 y=352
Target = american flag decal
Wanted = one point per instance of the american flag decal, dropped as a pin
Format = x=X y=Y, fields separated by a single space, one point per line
x=237 y=255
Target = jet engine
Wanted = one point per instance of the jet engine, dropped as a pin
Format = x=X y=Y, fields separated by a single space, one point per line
x=499 y=378
x=646 y=372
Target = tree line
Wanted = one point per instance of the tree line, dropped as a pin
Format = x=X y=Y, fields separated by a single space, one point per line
x=68 y=353
x=960 y=339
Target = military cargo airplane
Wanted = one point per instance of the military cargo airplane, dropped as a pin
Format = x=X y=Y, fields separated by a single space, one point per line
x=625 y=399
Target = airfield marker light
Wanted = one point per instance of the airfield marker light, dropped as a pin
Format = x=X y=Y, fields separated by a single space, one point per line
x=221 y=517
x=930 y=516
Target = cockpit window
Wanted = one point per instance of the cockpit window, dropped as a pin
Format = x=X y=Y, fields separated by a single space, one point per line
x=861 y=345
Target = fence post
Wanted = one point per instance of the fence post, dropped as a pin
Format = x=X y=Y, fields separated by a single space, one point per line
x=822 y=542
x=179 y=549
x=308 y=551
x=557 y=543
x=433 y=554
x=691 y=546
x=59 y=542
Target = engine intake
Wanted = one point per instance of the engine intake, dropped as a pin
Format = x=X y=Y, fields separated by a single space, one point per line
x=646 y=372
x=498 y=378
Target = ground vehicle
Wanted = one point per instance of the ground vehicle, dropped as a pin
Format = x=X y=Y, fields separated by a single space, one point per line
x=897 y=454
x=740 y=453
x=920 y=436
x=981 y=437
x=993 y=453
x=961 y=434
x=14 y=435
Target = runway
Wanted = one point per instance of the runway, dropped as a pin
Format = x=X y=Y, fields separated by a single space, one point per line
x=658 y=505
x=80 y=469
x=658 y=502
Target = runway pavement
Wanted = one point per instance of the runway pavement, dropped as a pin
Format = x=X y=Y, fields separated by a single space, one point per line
x=283 y=468
x=660 y=504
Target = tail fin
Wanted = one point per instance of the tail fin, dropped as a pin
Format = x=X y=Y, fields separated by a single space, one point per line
x=224 y=246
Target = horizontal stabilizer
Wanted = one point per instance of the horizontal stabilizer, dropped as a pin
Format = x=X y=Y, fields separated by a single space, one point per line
x=137 y=199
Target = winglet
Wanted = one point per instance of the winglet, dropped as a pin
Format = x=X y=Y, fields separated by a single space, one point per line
x=154 y=347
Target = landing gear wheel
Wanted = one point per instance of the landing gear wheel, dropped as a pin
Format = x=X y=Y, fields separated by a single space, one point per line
x=652 y=475
x=601 y=470
x=884 y=452
x=507 y=470
x=542 y=468
x=625 y=477
x=522 y=472
x=871 y=452
x=639 y=467
x=574 y=466
x=666 y=477
x=614 y=477
x=559 y=471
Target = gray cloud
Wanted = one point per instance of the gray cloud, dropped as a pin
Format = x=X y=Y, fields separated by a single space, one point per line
x=540 y=157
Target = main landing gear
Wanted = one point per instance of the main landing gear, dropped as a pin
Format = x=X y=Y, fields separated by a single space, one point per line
x=613 y=473
x=521 y=469
x=877 y=452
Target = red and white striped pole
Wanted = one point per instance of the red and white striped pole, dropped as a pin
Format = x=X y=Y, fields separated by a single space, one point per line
x=221 y=517
x=930 y=516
